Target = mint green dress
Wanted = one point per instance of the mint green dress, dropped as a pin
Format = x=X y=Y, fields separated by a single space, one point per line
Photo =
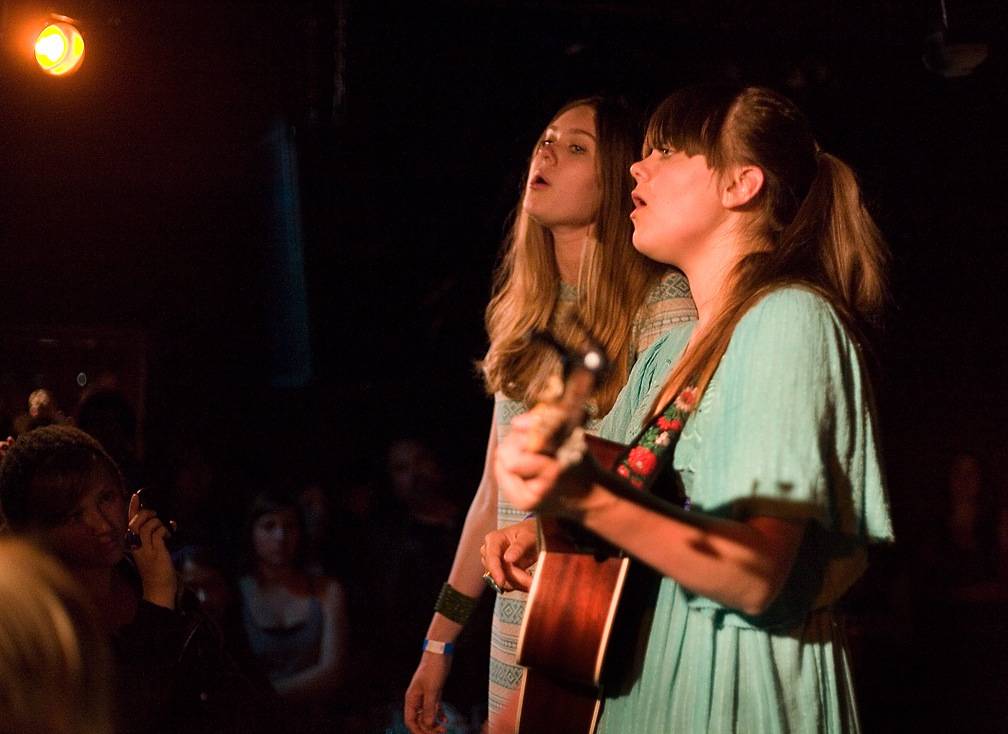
x=784 y=429
x=668 y=306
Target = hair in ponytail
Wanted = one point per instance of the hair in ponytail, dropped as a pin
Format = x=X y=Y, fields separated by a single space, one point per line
x=810 y=226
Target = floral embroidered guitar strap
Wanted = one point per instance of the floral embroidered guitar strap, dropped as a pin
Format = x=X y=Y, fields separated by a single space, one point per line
x=647 y=454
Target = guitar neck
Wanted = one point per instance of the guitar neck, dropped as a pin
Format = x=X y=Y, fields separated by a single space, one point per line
x=558 y=418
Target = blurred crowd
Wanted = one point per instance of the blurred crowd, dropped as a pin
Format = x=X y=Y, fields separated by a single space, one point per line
x=316 y=589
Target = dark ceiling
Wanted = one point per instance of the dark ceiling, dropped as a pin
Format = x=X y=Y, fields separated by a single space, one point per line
x=137 y=192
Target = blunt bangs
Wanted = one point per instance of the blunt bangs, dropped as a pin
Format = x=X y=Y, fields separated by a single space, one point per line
x=56 y=491
x=691 y=121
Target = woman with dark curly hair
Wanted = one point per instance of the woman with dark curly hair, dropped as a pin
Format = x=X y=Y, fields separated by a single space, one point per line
x=59 y=487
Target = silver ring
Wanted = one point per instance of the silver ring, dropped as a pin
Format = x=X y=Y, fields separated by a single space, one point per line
x=491 y=583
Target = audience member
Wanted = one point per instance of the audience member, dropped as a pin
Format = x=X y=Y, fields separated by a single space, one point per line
x=295 y=622
x=963 y=603
x=107 y=415
x=42 y=411
x=205 y=573
x=58 y=485
x=971 y=553
x=319 y=548
x=420 y=533
x=54 y=659
x=206 y=515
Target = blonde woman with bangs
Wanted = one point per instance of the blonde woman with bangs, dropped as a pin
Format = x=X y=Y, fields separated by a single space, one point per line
x=754 y=429
x=54 y=665
x=569 y=250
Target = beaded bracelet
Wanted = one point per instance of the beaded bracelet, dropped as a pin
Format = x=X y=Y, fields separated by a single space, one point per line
x=455 y=605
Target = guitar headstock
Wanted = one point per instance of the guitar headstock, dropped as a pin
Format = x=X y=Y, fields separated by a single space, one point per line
x=563 y=406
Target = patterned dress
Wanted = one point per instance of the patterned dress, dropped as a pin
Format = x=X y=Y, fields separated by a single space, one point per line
x=667 y=306
x=784 y=429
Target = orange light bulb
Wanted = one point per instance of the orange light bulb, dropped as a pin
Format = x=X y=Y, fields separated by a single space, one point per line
x=59 y=49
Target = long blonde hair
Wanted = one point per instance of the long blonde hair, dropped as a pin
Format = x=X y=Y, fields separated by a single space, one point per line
x=54 y=665
x=613 y=279
x=811 y=224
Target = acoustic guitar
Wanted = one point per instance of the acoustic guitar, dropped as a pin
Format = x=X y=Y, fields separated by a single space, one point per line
x=578 y=578
x=564 y=636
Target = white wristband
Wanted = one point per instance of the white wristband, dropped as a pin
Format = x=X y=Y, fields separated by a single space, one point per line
x=436 y=646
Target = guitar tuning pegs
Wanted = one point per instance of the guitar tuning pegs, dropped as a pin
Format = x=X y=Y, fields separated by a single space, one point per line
x=553 y=389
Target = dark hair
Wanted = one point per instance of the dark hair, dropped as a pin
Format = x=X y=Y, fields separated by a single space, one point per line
x=263 y=503
x=46 y=472
x=98 y=408
x=812 y=215
x=811 y=226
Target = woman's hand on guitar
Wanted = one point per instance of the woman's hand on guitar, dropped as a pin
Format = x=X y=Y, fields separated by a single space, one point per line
x=422 y=708
x=527 y=479
x=508 y=553
x=534 y=481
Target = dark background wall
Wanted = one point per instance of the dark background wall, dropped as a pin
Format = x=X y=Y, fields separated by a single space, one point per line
x=170 y=186
x=138 y=192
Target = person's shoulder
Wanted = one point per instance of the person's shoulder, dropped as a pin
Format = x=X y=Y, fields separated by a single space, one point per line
x=795 y=323
x=671 y=342
x=671 y=285
x=667 y=305
x=791 y=307
x=797 y=297
x=248 y=586
x=327 y=587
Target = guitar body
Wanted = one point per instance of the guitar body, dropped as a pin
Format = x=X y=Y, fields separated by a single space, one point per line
x=568 y=619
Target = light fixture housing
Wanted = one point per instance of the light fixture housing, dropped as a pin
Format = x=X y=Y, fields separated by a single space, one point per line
x=59 y=48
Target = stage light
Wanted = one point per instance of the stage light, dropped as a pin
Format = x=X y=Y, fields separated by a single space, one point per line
x=59 y=48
